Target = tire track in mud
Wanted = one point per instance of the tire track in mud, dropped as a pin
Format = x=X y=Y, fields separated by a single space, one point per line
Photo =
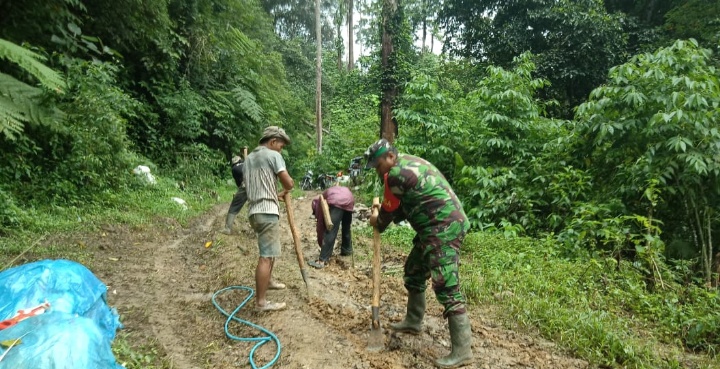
x=169 y=283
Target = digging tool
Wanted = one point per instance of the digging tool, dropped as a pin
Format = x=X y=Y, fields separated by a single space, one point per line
x=326 y=213
x=296 y=239
x=376 y=341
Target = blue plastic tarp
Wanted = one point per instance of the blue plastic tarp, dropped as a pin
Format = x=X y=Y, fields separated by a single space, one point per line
x=76 y=332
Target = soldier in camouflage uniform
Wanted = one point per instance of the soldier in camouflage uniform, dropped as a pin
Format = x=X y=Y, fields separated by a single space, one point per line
x=416 y=191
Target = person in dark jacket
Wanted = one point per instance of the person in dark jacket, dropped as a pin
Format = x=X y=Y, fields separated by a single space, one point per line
x=240 y=197
x=341 y=204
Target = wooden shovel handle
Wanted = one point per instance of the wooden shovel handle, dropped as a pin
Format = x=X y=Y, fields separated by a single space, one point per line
x=326 y=213
x=293 y=229
x=376 y=259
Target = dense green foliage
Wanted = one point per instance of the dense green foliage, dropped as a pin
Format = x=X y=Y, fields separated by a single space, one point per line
x=652 y=134
x=576 y=42
x=172 y=84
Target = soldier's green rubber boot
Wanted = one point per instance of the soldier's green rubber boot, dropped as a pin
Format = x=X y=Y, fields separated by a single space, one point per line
x=229 y=220
x=461 y=338
x=414 y=316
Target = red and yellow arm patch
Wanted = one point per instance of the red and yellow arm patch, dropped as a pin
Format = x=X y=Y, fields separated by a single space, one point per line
x=390 y=202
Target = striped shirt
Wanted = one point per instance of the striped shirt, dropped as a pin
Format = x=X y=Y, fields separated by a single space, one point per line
x=261 y=169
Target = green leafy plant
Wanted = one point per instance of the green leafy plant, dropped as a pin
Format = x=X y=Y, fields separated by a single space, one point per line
x=10 y=214
x=132 y=357
x=654 y=125
x=20 y=102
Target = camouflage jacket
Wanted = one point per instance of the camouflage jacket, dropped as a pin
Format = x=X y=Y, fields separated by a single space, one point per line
x=426 y=200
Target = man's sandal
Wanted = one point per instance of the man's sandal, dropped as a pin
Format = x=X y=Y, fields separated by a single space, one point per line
x=317 y=264
x=270 y=306
x=276 y=285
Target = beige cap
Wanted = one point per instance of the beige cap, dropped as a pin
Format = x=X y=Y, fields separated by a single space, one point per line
x=275 y=132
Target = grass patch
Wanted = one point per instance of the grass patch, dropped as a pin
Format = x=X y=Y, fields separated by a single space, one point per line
x=137 y=206
x=596 y=310
x=132 y=356
x=589 y=306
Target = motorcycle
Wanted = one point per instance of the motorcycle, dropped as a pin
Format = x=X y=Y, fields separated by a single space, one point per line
x=355 y=169
x=307 y=182
x=325 y=180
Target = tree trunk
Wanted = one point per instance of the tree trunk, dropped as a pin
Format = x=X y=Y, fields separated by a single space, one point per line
x=650 y=11
x=351 y=39
x=704 y=243
x=339 y=47
x=318 y=79
x=388 y=126
x=424 y=25
x=708 y=250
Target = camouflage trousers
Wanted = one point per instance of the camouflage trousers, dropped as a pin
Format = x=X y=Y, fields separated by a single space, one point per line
x=438 y=260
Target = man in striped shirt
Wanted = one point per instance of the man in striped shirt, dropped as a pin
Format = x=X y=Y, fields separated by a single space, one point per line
x=263 y=168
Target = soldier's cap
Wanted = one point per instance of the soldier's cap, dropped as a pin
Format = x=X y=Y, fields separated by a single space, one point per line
x=275 y=132
x=235 y=159
x=375 y=151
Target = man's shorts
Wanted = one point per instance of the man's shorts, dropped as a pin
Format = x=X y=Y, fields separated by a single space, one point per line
x=267 y=229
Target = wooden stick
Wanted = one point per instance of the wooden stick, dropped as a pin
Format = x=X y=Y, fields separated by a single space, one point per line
x=376 y=341
x=326 y=213
x=376 y=260
x=244 y=152
x=296 y=238
x=24 y=251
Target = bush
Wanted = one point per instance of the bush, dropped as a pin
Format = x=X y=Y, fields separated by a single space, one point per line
x=10 y=214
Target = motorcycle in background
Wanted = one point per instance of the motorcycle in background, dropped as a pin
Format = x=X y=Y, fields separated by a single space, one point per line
x=325 y=180
x=307 y=182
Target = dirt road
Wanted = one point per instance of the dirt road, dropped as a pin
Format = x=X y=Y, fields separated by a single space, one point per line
x=162 y=279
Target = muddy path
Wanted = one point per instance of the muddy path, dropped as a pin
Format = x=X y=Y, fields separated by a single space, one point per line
x=162 y=278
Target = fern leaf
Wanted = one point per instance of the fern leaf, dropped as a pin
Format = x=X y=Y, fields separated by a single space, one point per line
x=17 y=90
x=11 y=118
x=32 y=63
x=248 y=104
x=21 y=104
x=241 y=42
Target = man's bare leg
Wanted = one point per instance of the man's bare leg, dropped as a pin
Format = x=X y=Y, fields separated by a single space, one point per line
x=272 y=283
x=262 y=279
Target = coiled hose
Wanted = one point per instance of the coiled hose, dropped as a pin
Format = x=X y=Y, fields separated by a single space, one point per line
x=260 y=340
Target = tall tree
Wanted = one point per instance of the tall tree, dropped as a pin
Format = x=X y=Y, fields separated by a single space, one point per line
x=422 y=15
x=395 y=54
x=340 y=13
x=698 y=19
x=367 y=34
x=351 y=39
x=650 y=12
x=318 y=79
x=575 y=41
x=388 y=125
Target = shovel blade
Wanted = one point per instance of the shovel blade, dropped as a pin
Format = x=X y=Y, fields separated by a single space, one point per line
x=376 y=340
x=303 y=272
